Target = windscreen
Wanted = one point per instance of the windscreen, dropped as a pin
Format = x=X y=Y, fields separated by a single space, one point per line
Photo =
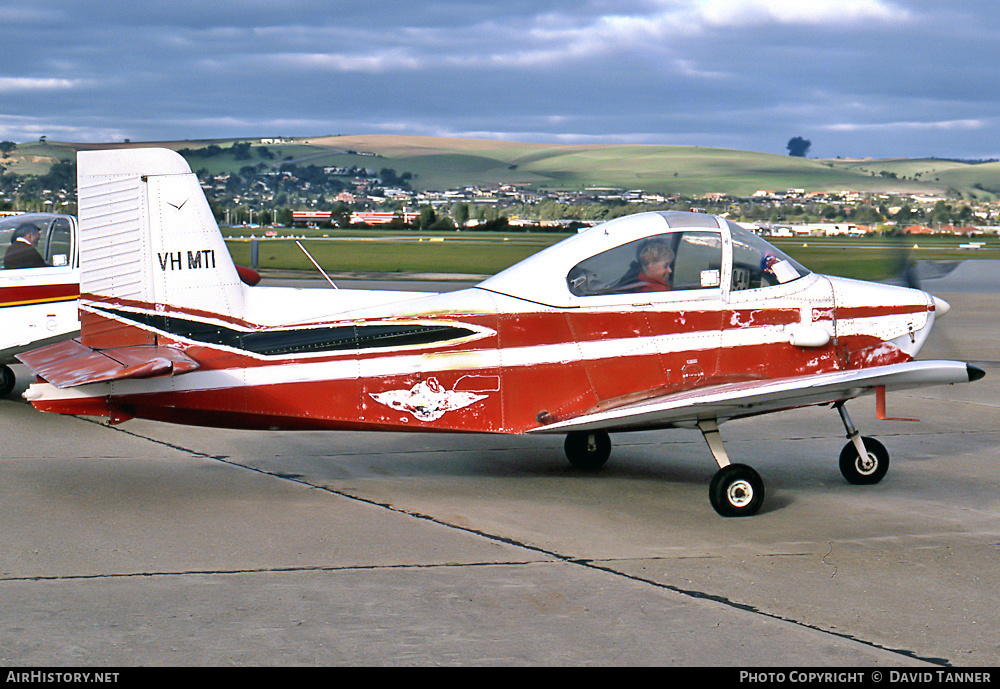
x=756 y=263
x=58 y=243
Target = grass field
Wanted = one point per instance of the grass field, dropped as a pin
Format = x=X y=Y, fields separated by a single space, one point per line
x=879 y=258
x=439 y=163
x=397 y=252
x=444 y=163
x=402 y=252
x=687 y=170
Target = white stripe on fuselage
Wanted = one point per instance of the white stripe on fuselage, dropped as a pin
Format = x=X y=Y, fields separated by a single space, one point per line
x=394 y=364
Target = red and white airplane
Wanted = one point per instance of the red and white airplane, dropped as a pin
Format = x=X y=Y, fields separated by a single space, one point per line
x=651 y=321
x=39 y=285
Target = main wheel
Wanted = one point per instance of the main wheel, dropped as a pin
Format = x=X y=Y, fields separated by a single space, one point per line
x=864 y=470
x=588 y=450
x=736 y=491
x=6 y=380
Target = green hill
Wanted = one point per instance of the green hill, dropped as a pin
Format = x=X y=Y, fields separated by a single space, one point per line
x=444 y=163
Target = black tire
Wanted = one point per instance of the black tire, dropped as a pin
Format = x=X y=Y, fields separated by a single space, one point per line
x=736 y=491
x=588 y=450
x=868 y=472
x=7 y=380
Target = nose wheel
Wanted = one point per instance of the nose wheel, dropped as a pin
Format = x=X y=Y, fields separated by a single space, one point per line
x=864 y=469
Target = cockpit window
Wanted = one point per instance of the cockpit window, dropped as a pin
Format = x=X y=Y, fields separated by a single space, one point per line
x=665 y=262
x=758 y=264
x=22 y=242
x=36 y=240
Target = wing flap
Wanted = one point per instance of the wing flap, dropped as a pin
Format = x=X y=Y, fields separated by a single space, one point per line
x=69 y=363
x=757 y=397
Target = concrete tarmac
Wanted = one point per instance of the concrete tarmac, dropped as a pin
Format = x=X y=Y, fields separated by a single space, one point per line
x=151 y=544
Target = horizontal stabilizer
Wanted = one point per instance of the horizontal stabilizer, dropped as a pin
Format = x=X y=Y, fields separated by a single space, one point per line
x=68 y=364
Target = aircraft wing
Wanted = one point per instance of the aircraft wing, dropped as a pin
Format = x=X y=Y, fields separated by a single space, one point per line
x=758 y=397
x=69 y=363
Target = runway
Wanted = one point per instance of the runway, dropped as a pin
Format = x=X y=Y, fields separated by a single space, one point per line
x=149 y=544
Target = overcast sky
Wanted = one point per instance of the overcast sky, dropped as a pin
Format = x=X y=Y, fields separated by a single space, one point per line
x=879 y=78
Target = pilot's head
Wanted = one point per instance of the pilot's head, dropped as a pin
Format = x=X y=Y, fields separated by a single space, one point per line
x=27 y=231
x=656 y=258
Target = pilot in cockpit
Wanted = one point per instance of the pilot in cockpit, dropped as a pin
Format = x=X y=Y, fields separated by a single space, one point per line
x=656 y=259
x=22 y=252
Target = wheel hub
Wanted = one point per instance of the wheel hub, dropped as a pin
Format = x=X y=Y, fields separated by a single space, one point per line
x=740 y=493
x=866 y=464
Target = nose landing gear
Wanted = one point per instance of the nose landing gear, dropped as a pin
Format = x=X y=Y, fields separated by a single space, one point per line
x=863 y=461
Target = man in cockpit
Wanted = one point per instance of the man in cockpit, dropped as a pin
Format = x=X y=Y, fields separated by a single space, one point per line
x=22 y=252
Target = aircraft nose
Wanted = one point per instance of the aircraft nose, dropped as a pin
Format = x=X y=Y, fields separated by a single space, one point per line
x=941 y=307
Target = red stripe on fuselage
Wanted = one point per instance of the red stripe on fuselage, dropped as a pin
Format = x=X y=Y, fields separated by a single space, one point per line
x=848 y=312
x=38 y=294
x=749 y=318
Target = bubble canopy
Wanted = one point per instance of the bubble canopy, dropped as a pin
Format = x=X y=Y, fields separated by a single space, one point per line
x=661 y=255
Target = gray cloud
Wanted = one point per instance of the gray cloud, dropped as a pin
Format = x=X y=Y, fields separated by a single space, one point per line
x=857 y=77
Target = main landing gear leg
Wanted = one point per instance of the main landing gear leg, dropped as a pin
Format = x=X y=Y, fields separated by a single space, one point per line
x=736 y=489
x=863 y=461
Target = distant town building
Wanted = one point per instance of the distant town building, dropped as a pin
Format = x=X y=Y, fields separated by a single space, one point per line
x=310 y=217
x=833 y=229
x=373 y=218
x=366 y=217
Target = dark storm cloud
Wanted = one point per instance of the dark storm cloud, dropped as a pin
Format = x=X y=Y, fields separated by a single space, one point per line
x=857 y=77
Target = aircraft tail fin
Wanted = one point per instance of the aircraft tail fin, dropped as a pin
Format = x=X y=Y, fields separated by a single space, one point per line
x=149 y=239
